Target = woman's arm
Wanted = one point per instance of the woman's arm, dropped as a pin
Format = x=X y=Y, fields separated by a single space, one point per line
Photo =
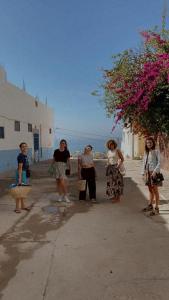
x=143 y=165
x=68 y=163
x=120 y=155
x=79 y=167
x=157 y=168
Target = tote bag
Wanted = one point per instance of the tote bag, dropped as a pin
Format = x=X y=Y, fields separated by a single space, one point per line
x=81 y=185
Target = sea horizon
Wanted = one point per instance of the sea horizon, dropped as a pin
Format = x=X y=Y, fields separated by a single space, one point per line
x=78 y=144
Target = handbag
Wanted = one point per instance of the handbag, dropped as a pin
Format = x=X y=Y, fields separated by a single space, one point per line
x=158 y=179
x=67 y=172
x=51 y=170
x=122 y=169
x=19 y=191
x=81 y=185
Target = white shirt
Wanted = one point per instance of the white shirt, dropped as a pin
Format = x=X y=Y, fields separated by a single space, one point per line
x=86 y=159
x=112 y=157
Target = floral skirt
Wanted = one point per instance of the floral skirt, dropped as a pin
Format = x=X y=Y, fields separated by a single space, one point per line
x=114 y=182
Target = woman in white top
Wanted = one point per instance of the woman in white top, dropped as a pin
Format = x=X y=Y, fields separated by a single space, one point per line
x=150 y=167
x=86 y=171
x=114 y=178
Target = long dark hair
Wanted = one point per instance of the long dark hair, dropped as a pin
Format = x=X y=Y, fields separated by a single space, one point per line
x=153 y=146
x=64 y=141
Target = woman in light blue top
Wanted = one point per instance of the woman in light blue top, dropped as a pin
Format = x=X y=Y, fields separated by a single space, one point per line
x=150 y=167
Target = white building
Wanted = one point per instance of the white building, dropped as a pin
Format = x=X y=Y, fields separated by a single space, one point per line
x=132 y=144
x=23 y=118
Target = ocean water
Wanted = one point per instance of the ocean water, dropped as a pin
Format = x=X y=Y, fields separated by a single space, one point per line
x=78 y=144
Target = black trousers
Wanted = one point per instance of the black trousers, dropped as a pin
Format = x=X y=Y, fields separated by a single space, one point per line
x=89 y=175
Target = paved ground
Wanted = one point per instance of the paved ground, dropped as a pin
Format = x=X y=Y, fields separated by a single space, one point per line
x=82 y=251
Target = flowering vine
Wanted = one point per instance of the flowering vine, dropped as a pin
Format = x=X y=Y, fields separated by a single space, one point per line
x=137 y=87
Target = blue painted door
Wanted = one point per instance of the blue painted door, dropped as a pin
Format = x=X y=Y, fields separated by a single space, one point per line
x=36 y=146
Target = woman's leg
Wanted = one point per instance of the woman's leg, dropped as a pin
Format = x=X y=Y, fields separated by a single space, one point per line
x=63 y=186
x=156 y=194
x=92 y=188
x=64 y=189
x=23 y=205
x=17 y=209
x=91 y=183
x=151 y=195
x=58 y=186
x=157 y=197
x=59 y=189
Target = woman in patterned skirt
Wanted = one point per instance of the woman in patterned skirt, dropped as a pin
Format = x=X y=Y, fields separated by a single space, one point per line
x=114 y=177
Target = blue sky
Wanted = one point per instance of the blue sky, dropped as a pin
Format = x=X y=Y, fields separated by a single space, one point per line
x=60 y=47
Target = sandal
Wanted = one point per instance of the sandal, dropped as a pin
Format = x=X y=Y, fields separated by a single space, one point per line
x=148 y=208
x=17 y=211
x=154 y=212
x=157 y=210
x=26 y=208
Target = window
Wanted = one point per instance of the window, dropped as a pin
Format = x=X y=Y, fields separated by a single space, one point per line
x=36 y=103
x=17 y=126
x=2 y=133
x=50 y=130
x=29 y=127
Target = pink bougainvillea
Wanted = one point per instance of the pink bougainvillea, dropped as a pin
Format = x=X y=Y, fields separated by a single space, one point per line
x=135 y=77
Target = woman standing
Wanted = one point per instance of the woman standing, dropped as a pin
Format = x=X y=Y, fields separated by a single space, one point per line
x=114 y=178
x=86 y=171
x=22 y=175
x=61 y=159
x=150 y=167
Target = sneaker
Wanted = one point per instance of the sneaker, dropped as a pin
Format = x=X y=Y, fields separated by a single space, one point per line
x=67 y=199
x=60 y=199
x=94 y=200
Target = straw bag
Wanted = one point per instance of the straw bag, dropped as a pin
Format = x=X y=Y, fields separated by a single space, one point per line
x=52 y=170
x=81 y=185
x=19 y=191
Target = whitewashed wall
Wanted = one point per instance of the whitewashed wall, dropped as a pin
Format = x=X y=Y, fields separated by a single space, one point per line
x=16 y=104
x=127 y=145
x=132 y=145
